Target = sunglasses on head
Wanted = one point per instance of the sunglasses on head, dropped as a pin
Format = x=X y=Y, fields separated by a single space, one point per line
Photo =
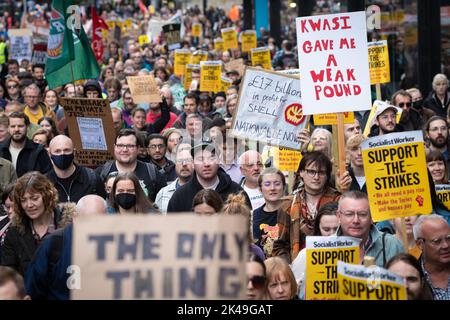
x=403 y=104
x=258 y=282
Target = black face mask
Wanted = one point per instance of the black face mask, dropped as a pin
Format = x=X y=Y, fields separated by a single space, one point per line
x=418 y=104
x=63 y=161
x=126 y=200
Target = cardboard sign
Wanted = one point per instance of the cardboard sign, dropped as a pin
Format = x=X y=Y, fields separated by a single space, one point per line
x=379 y=62
x=269 y=109
x=237 y=65
x=331 y=118
x=143 y=39
x=225 y=83
x=248 y=38
x=197 y=30
x=333 y=59
x=286 y=159
x=20 y=44
x=144 y=89
x=443 y=194
x=371 y=119
x=229 y=36
x=219 y=45
x=172 y=35
x=187 y=77
x=91 y=129
x=210 y=76
x=161 y=257
x=39 y=53
x=357 y=282
x=322 y=256
x=181 y=59
x=261 y=57
x=396 y=175
x=199 y=56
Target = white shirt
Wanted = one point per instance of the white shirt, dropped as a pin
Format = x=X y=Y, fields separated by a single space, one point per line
x=256 y=197
x=361 y=181
x=164 y=195
x=14 y=155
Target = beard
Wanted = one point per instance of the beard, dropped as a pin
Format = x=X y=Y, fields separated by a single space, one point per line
x=439 y=144
x=19 y=139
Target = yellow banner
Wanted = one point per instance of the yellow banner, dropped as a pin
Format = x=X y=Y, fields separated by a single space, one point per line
x=287 y=159
x=357 y=282
x=261 y=57
x=322 y=255
x=187 y=77
x=396 y=175
x=229 y=37
x=219 y=45
x=210 y=76
x=143 y=39
x=379 y=62
x=443 y=194
x=225 y=83
x=248 y=40
x=199 y=56
x=181 y=59
x=331 y=118
x=196 y=29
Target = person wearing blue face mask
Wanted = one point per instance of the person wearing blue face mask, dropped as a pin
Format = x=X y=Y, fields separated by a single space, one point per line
x=71 y=180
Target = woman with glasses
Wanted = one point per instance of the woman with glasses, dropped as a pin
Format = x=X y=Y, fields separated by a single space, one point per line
x=281 y=283
x=271 y=182
x=256 y=278
x=298 y=212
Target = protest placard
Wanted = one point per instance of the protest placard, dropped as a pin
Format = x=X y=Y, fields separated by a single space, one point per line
x=357 y=282
x=290 y=71
x=197 y=29
x=144 y=89
x=248 y=40
x=379 y=62
x=187 y=77
x=443 y=194
x=286 y=159
x=218 y=44
x=269 y=109
x=210 y=74
x=334 y=62
x=396 y=175
x=181 y=59
x=237 y=64
x=331 y=118
x=225 y=83
x=39 y=53
x=322 y=255
x=261 y=57
x=172 y=35
x=143 y=39
x=91 y=129
x=371 y=119
x=199 y=56
x=229 y=36
x=161 y=257
x=20 y=44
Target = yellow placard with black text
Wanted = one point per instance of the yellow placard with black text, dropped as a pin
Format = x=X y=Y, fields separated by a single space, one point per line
x=379 y=62
x=261 y=57
x=219 y=45
x=287 y=159
x=248 y=40
x=199 y=56
x=187 y=77
x=229 y=36
x=331 y=118
x=443 y=194
x=396 y=175
x=181 y=58
x=225 y=83
x=210 y=76
x=197 y=29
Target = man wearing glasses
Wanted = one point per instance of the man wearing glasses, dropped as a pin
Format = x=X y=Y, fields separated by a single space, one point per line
x=410 y=119
x=355 y=221
x=34 y=108
x=432 y=235
x=157 y=146
x=385 y=120
x=436 y=131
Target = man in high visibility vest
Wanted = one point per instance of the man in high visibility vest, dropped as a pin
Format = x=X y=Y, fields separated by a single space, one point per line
x=3 y=51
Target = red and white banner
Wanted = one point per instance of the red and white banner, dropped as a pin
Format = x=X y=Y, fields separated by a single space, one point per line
x=98 y=24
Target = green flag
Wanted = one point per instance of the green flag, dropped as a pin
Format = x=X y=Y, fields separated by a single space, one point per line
x=69 y=55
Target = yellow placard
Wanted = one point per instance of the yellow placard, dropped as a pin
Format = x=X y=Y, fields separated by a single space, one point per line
x=128 y=23
x=187 y=77
x=331 y=118
x=371 y=119
x=396 y=175
x=181 y=59
x=111 y=24
x=229 y=36
x=443 y=194
x=248 y=40
x=210 y=76
x=357 y=282
x=196 y=29
x=261 y=57
x=199 y=56
x=286 y=159
x=322 y=256
x=379 y=62
x=218 y=44
x=143 y=39
x=225 y=83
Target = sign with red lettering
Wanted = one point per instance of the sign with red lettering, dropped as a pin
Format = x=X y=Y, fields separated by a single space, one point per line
x=334 y=63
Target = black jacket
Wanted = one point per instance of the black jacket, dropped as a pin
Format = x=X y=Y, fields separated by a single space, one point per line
x=434 y=104
x=32 y=157
x=82 y=182
x=161 y=122
x=354 y=186
x=181 y=200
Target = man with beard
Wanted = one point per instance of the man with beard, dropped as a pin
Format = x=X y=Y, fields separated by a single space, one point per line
x=385 y=120
x=436 y=131
x=21 y=151
x=157 y=146
x=38 y=75
x=410 y=119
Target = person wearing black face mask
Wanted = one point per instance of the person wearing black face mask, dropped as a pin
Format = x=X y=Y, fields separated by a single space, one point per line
x=127 y=196
x=71 y=180
x=417 y=104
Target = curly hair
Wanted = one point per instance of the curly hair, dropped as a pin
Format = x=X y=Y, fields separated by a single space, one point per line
x=32 y=182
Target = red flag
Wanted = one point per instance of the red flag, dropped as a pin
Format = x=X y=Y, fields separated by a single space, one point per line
x=142 y=7
x=98 y=24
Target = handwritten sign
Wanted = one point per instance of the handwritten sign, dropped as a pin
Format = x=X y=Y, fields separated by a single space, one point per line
x=379 y=62
x=39 y=53
x=20 y=44
x=269 y=109
x=172 y=35
x=181 y=59
x=261 y=57
x=229 y=37
x=161 y=257
x=443 y=194
x=210 y=74
x=248 y=38
x=331 y=118
x=144 y=89
x=357 y=282
x=333 y=59
x=397 y=182
x=89 y=122
x=237 y=64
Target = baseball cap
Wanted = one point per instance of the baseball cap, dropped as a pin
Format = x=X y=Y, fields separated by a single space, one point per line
x=382 y=106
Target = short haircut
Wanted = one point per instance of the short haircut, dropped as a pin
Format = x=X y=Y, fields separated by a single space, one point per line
x=354 y=194
x=271 y=170
x=19 y=115
x=355 y=140
x=417 y=228
x=136 y=110
x=191 y=96
x=156 y=136
x=125 y=133
x=8 y=274
x=37 y=65
x=401 y=92
x=438 y=78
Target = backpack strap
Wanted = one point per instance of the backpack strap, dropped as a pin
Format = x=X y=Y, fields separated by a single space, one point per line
x=152 y=174
x=105 y=170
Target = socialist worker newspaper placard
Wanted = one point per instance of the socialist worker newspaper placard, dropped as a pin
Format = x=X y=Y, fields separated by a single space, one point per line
x=396 y=175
